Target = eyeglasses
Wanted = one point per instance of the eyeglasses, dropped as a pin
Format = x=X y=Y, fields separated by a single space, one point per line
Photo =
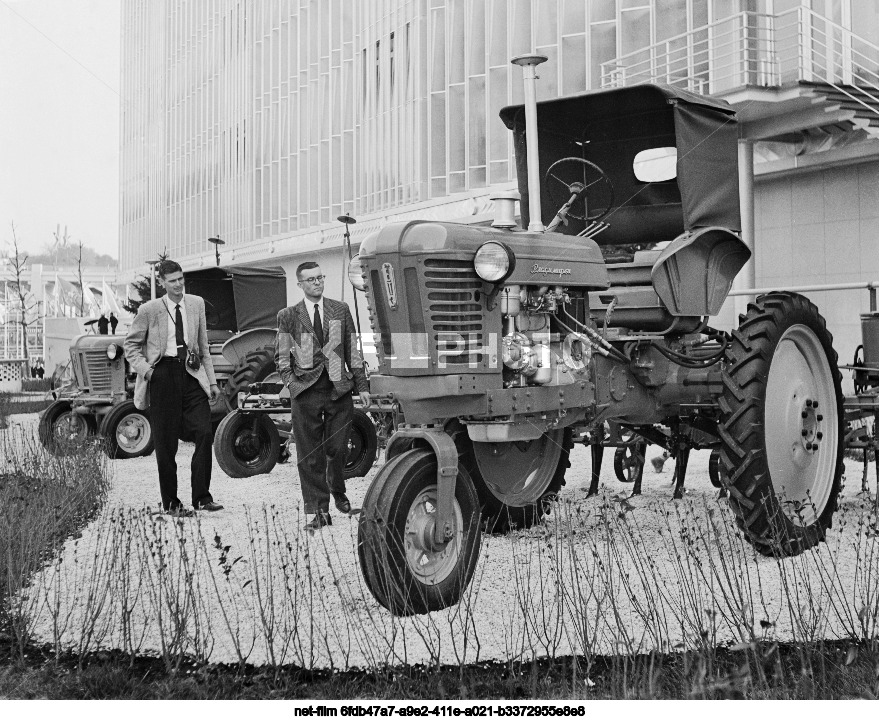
x=313 y=279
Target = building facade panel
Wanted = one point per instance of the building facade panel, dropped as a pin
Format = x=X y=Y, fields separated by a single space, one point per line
x=261 y=121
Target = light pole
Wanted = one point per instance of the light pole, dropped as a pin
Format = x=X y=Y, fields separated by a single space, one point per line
x=217 y=243
x=347 y=220
x=152 y=265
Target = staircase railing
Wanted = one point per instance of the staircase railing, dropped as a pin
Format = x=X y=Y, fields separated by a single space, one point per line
x=756 y=49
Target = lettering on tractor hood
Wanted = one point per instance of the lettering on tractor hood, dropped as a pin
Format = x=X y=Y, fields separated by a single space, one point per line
x=390 y=284
x=538 y=269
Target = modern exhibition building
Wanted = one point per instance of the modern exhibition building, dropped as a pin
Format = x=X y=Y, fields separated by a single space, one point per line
x=259 y=122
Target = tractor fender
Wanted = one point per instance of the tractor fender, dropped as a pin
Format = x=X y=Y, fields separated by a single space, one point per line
x=238 y=346
x=694 y=274
x=446 y=469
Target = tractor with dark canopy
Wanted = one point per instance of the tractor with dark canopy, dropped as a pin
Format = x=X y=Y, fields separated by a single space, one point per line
x=502 y=347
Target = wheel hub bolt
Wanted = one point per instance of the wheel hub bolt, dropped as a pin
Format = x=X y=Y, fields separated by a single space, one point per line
x=804 y=414
x=819 y=417
x=804 y=432
x=819 y=435
x=808 y=402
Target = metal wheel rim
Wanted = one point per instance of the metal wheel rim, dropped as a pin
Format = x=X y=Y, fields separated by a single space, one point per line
x=133 y=433
x=431 y=565
x=355 y=448
x=532 y=463
x=799 y=373
x=70 y=428
x=251 y=449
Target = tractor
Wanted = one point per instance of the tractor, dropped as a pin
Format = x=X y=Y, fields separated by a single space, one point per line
x=241 y=306
x=503 y=346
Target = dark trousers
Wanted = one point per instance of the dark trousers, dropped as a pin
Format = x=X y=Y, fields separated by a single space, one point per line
x=321 y=427
x=179 y=410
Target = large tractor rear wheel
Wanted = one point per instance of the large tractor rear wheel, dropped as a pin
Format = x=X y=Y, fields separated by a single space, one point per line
x=62 y=431
x=258 y=366
x=404 y=568
x=781 y=425
x=516 y=481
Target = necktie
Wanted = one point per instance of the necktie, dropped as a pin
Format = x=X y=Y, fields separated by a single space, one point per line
x=318 y=327
x=178 y=334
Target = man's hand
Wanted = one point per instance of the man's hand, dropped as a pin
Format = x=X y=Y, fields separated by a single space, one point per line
x=215 y=393
x=364 y=397
x=148 y=374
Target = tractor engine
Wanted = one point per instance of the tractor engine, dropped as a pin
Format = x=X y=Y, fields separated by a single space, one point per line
x=480 y=311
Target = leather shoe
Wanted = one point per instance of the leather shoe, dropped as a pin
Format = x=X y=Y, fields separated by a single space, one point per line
x=180 y=512
x=342 y=503
x=210 y=506
x=321 y=519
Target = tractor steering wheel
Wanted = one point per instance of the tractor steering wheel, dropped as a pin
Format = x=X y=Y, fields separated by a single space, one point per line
x=589 y=183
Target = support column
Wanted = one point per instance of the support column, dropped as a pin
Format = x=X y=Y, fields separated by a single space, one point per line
x=747 y=277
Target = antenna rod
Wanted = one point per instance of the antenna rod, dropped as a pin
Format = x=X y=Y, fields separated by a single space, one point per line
x=529 y=63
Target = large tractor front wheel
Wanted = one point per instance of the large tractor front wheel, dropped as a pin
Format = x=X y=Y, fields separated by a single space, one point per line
x=127 y=432
x=62 y=431
x=406 y=570
x=246 y=444
x=782 y=425
x=517 y=480
x=362 y=445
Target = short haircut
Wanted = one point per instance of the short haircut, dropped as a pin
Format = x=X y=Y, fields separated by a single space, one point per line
x=308 y=265
x=168 y=266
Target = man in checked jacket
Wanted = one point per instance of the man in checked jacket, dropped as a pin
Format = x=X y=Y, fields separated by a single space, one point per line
x=317 y=357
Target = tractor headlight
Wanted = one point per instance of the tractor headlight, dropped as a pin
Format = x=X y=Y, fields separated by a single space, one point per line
x=494 y=262
x=112 y=351
x=355 y=273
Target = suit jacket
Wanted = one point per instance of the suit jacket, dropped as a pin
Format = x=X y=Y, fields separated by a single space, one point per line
x=299 y=360
x=148 y=337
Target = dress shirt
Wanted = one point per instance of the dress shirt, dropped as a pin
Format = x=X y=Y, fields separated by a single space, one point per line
x=171 y=347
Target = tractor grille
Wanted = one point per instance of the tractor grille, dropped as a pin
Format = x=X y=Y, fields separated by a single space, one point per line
x=96 y=371
x=454 y=311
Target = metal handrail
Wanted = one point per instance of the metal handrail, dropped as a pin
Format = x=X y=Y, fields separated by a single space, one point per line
x=870 y=285
x=757 y=49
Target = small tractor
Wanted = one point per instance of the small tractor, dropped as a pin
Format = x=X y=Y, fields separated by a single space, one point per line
x=501 y=347
x=241 y=306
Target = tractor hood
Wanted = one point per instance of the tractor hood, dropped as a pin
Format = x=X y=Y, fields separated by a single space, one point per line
x=541 y=258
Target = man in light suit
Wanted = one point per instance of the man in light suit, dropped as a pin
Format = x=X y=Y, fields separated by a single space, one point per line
x=315 y=344
x=164 y=332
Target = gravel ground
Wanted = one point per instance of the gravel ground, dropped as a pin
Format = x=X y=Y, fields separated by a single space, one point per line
x=315 y=608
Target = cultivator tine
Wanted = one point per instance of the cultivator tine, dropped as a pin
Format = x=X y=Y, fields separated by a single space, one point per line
x=681 y=471
x=597 y=457
x=639 y=452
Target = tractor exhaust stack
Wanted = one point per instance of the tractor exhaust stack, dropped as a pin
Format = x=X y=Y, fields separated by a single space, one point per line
x=529 y=63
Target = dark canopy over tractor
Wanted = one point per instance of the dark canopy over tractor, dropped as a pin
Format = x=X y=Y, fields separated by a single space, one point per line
x=609 y=128
x=238 y=298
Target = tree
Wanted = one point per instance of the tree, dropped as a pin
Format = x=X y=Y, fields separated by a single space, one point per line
x=27 y=302
x=79 y=276
x=142 y=287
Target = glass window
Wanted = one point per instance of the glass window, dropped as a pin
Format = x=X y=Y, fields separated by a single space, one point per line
x=671 y=18
x=602 y=10
x=635 y=30
x=603 y=43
